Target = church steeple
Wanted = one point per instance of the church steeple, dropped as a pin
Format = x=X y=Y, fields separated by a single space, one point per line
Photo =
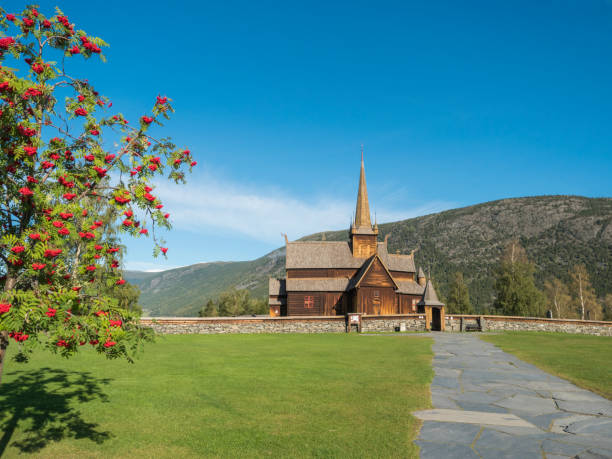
x=362 y=213
x=364 y=237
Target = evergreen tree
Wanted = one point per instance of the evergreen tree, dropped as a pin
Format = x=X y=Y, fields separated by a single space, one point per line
x=516 y=293
x=210 y=310
x=583 y=294
x=458 y=301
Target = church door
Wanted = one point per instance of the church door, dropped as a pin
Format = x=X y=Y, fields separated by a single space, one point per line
x=436 y=324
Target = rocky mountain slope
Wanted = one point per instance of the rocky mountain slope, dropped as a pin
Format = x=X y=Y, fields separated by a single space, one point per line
x=556 y=231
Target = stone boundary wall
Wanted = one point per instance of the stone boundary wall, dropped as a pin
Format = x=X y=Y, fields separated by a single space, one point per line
x=587 y=327
x=337 y=324
x=412 y=322
x=216 y=325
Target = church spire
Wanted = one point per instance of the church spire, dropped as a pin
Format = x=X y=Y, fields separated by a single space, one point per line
x=362 y=213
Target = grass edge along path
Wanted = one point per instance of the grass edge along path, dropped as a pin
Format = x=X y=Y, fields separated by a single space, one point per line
x=585 y=360
x=318 y=395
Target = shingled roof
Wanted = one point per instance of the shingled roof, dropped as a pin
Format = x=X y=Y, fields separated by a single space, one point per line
x=277 y=302
x=277 y=287
x=430 y=298
x=318 y=285
x=333 y=254
x=409 y=288
x=396 y=262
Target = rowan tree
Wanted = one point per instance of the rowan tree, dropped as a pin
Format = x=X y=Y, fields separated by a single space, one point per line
x=73 y=172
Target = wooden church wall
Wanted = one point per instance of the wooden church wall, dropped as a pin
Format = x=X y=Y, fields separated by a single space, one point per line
x=297 y=304
x=377 y=276
x=405 y=303
x=323 y=303
x=376 y=300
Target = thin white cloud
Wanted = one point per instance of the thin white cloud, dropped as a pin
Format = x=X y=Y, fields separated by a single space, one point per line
x=264 y=214
x=149 y=267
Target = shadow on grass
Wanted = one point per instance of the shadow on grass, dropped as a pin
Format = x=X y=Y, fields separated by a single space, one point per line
x=41 y=402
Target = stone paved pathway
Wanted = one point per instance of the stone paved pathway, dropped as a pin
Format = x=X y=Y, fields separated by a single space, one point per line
x=490 y=404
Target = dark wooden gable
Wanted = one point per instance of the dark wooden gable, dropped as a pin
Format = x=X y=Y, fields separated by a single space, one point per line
x=375 y=274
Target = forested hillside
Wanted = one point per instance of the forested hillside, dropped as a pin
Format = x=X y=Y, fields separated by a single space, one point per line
x=556 y=231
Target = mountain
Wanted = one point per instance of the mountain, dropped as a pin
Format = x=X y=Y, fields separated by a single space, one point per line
x=556 y=231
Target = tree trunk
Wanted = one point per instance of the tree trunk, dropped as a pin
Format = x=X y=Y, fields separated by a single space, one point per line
x=581 y=297
x=556 y=302
x=4 y=338
x=4 y=342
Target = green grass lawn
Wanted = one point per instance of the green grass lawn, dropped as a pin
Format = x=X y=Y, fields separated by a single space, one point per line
x=222 y=395
x=585 y=360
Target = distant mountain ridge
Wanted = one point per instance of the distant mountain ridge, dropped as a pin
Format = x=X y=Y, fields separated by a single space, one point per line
x=556 y=231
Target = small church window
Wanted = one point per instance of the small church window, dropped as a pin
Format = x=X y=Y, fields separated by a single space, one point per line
x=308 y=302
x=376 y=293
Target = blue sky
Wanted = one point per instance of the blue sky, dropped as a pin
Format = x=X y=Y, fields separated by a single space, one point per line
x=456 y=103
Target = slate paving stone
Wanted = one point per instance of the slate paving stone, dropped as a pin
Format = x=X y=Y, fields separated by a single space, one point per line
x=559 y=419
x=531 y=405
x=595 y=454
x=520 y=431
x=448 y=372
x=445 y=450
x=491 y=439
x=607 y=453
x=575 y=396
x=449 y=432
x=442 y=401
x=560 y=425
x=451 y=383
x=594 y=426
x=544 y=421
x=513 y=453
x=503 y=394
x=445 y=391
x=561 y=386
x=590 y=441
x=471 y=406
x=478 y=397
x=597 y=408
x=552 y=446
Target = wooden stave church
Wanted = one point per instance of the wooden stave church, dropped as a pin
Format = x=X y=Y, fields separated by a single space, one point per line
x=328 y=278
